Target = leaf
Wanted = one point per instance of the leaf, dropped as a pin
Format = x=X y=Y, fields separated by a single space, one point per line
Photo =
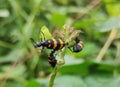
x=11 y=72
x=75 y=66
x=88 y=46
x=110 y=24
x=33 y=83
x=82 y=67
x=92 y=80
x=69 y=81
x=4 y=13
x=58 y=19
x=45 y=33
x=102 y=80
x=70 y=60
x=13 y=84
x=64 y=2
x=110 y=7
x=43 y=82
x=13 y=56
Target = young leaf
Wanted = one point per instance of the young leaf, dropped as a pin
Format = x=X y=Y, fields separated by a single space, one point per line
x=45 y=33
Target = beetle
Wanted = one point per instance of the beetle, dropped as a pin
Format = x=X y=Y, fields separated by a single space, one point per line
x=54 y=44
x=51 y=59
x=78 y=46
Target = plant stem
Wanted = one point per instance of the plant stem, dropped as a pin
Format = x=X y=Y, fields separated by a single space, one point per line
x=51 y=82
x=60 y=62
x=107 y=44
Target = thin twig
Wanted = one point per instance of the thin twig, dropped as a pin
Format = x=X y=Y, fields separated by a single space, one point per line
x=88 y=8
x=107 y=44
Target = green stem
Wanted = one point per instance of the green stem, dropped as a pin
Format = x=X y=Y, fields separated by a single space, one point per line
x=51 y=82
x=61 y=60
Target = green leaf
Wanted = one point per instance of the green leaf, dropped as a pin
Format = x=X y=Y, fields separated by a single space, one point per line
x=87 y=50
x=102 y=80
x=70 y=60
x=92 y=80
x=84 y=67
x=14 y=84
x=13 y=56
x=110 y=6
x=110 y=24
x=75 y=66
x=45 y=33
x=32 y=83
x=58 y=19
x=69 y=81
x=43 y=82
x=64 y=2
x=14 y=73
x=4 y=13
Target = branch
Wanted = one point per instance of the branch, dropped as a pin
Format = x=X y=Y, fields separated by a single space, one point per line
x=60 y=62
x=88 y=8
x=53 y=75
x=107 y=44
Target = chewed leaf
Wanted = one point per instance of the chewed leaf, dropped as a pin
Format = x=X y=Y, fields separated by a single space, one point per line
x=45 y=33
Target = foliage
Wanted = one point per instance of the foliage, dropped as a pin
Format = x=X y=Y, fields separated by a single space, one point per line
x=21 y=65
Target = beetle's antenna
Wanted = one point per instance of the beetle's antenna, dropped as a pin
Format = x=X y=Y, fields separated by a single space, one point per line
x=36 y=44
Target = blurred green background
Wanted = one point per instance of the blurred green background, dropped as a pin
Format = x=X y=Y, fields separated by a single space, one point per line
x=22 y=66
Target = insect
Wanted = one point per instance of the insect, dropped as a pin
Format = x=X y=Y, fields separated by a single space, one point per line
x=78 y=46
x=51 y=59
x=54 y=44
